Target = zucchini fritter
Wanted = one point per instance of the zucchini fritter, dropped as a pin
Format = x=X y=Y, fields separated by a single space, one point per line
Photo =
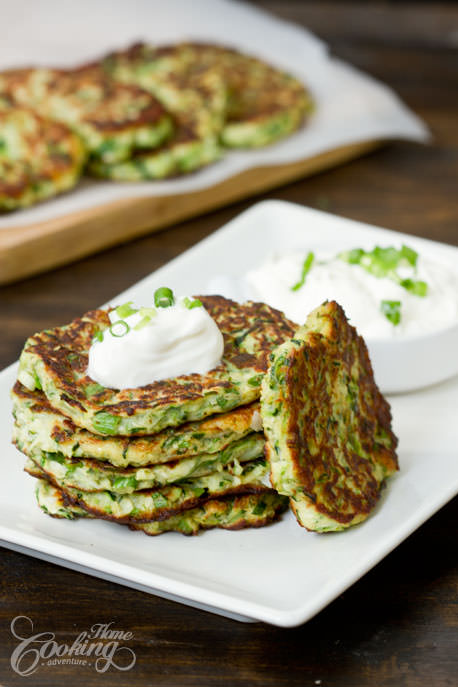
x=112 y=118
x=193 y=92
x=39 y=158
x=158 y=504
x=38 y=427
x=56 y=360
x=91 y=475
x=328 y=427
x=264 y=103
x=230 y=513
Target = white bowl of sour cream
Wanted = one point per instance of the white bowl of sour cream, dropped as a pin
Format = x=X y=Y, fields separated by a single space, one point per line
x=414 y=362
x=405 y=305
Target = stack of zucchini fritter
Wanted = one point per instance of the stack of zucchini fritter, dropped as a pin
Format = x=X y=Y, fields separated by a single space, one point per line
x=143 y=113
x=181 y=454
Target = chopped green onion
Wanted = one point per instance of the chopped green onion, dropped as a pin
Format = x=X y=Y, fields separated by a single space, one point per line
x=196 y=303
x=418 y=288
x=410 y=255
x=392 y=311
x=163 y=297
x=143 y=322
x=98 y=336
x=352 y=256
x=125 y=310
x=306 y=267
x=125 y=328
x=148 y=314
x=105 y=423
x=383 y=262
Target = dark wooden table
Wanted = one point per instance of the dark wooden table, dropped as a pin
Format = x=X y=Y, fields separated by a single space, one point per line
x=397 y=626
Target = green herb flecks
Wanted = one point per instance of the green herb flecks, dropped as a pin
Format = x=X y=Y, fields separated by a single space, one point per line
x=36 y=379
x=392 y=311
x=105 y=423
x=259 y=508
x=125 y=483
x=306 y=267
x=93 y=389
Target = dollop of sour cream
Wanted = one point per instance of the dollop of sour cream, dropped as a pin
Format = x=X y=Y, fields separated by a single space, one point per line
x=151 y=344
x=359 y=293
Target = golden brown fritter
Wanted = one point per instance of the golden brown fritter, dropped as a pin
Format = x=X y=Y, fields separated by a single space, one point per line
x=56 y=360
x=111 y=118
x=230 y=513
x=39 y=158
x=39 y=427
x=328 y=427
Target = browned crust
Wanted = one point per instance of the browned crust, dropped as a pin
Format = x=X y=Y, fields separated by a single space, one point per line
x=313 y=368
x=105 y=116
x=64 y=352
x=257 y=88
x=159 y=513
x=237 y=420
x=53 y=151
x=240 y=502
x=240 y=525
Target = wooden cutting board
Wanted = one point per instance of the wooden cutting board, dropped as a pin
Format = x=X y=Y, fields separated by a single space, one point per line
x=32 y=248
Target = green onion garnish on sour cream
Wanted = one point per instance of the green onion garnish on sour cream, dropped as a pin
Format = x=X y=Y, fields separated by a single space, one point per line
x=142 y=345
x=384 y=262
x=163 y=297
x=306 y=267
x=119 y=328
x=392 y=311
x=196 y=303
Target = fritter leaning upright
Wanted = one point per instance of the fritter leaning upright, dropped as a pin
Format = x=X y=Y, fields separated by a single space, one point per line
x=56 y=361
x=328 y=427
x=112 y=118
x=39 y=158
x=194 y=93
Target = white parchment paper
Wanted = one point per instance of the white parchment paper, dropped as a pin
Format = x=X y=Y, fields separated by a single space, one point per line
x=351 y=106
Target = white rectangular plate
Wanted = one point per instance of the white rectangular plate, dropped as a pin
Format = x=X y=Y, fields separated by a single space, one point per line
x=279 y=574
